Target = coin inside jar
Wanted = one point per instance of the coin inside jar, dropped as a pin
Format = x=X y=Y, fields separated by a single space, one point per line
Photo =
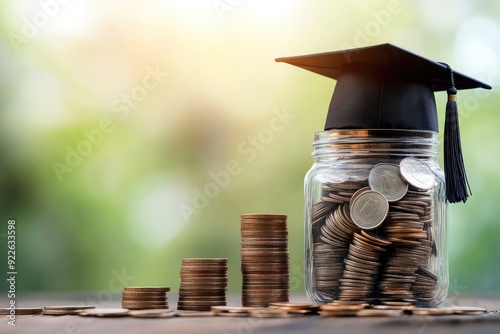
x=417 y=173
x=387 y=180
x=369 y=209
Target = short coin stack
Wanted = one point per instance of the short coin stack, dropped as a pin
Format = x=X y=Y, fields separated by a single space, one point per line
x=264 y=259
x=145 y=297
x=203 y=284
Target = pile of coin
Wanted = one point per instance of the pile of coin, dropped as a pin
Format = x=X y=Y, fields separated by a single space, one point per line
x=21 y=311
x=373 y=235
x=264 y=259
x=233 y=311
x=361 y=266
x=145 y=297
x=65 y=310
x=274 y=310
x=105 y=312
x=203 y=284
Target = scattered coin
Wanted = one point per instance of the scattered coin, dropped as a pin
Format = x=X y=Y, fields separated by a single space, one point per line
x=153 y=313
x=379 y=313
x=233 y=311
x=21 y=310
x=273 y=313
x=296 y=306
x=457 y=310
x=105 y=312
x=64 y=310
x=194 y=314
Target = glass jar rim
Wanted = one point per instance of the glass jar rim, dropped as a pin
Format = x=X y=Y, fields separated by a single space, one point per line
x=383 y=133
x=368 y=142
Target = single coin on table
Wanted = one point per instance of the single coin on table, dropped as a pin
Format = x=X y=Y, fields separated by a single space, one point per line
x=105 y=312
x=21 y=310
x=152 y=313
x=64 y=310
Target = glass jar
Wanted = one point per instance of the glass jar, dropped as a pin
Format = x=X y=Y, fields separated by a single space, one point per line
x=375 y=218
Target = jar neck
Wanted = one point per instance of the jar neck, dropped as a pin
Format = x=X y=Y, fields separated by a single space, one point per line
x=341 y=144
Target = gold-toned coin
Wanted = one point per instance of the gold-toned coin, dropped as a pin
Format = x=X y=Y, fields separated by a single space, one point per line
x=379 y=313
x=205 y=260
x=143 y=304
x=232 y=309
x=261 y=216
x=457 y=310
x=295 y=306
x=147 y=288
x=203 y=298
x=143 y=295
x=131 y=299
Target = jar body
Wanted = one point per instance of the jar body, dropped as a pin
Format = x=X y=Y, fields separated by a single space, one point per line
x=353 y=254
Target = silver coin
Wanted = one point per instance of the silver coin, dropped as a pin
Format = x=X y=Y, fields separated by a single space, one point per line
x=417 y=173
x=387 y=180
x=369 y=210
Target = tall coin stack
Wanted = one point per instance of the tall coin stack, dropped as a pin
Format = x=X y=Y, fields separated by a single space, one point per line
x=264 y=259
x=145 y=297
x=203 y=284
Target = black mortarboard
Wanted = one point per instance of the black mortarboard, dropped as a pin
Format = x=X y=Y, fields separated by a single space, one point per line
x=386 y=87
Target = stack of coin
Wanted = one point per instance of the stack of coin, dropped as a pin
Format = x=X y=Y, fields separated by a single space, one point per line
x=425 y=284
x=361 y=266
x=145 y=297
x=203 y=284
x=264 y=259
x=328 y=267
x=407 y=227
x=65 y=310
x=21 y=311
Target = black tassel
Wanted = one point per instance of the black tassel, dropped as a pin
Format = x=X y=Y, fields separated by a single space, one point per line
x=457 y=185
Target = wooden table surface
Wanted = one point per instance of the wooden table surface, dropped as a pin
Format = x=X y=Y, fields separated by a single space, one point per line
x=489 y=323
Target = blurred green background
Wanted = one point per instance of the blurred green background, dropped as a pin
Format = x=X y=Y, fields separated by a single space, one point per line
x=114 y=114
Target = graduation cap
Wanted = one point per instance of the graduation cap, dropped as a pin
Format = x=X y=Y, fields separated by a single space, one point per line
x=386 y=87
